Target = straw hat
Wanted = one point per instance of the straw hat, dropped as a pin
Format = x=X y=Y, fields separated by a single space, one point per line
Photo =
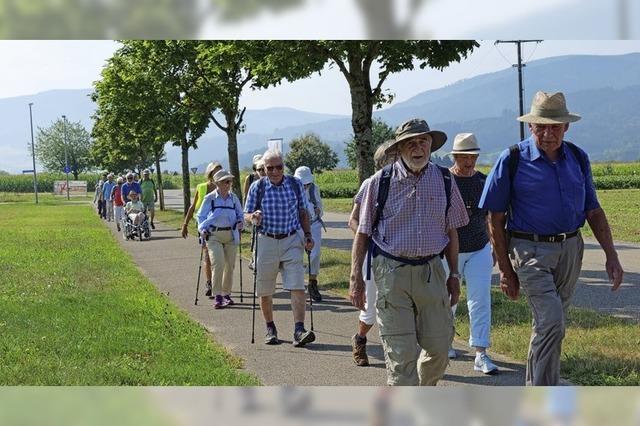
x=210 y=168
x=465 y=143
x=549 y=109
x=222 y=175
x=417 y=127
x=304 y=174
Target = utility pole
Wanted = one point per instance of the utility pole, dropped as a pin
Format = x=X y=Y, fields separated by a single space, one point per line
x=66 y=155
x=33 y=155
x=520 y=65
x=623 y=19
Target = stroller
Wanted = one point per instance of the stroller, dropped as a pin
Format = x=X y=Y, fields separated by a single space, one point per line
x=131 y=231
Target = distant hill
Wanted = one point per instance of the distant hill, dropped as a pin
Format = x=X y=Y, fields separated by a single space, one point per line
x=605 y=90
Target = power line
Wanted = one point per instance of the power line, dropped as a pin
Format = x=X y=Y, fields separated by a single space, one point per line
x=519 y=65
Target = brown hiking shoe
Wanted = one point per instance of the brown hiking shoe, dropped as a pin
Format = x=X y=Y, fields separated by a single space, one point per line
x=359 y=348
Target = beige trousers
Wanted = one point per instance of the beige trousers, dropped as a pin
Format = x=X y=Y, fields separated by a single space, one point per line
x=222 y=252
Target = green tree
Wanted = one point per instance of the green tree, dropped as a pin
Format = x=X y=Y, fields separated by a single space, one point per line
x=380 y=132
x=226 y=68
x=51 y=146
x=354 y=59
x=310 y=151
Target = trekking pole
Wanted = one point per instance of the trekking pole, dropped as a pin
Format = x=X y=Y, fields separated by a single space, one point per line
x=240 y=249
x=199 y=271
x=310 y=298
x=254 y=238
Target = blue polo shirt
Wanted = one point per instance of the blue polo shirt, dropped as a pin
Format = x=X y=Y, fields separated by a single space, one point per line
x=126 y=187
x=547 y=197
x=280 y=205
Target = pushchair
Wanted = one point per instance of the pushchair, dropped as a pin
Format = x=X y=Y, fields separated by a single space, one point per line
x=131 y=231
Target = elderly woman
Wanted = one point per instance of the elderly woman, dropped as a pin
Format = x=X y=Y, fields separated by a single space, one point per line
x=367 y=317
x=314 y=210
x=202 y=189
x=474 y=259
x=220 y=220
x=251 y=177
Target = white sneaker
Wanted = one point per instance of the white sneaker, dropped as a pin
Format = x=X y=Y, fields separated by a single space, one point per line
x=452 y=353
x=484 y=364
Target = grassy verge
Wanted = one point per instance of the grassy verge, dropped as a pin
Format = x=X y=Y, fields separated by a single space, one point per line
x=44 y=198
x=622 y=207
x=338 y=205
x=76 y=311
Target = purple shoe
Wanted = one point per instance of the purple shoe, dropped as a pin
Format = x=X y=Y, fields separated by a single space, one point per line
x=228 y=300
x=220 y=302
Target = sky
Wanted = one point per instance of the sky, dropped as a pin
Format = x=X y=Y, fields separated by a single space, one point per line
x=66 y=64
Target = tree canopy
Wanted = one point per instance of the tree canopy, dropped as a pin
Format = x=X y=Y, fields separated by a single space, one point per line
x=51 y=144
x=310 y=151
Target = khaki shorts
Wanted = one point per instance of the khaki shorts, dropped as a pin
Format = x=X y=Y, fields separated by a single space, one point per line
x=284 y=256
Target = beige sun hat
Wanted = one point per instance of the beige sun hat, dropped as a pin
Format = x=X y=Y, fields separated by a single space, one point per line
x=222 y=175
x=304 y=174
x=549 y=109
x=210 y=168
x=381 y=156
x=465 y=143
x=256 y=158
x=417 y=127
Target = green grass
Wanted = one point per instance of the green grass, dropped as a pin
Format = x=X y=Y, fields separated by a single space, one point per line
x=339 y=205
x=77 y=311
x=622 y=207
x=44 y=198
x=67 y=406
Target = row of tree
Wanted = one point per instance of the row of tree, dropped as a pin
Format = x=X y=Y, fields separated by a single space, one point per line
x=154 y=92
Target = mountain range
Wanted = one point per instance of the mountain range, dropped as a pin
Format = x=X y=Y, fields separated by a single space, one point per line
x=604 y=90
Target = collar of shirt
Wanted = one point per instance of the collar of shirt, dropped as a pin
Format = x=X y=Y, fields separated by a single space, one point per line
x=534 y=152
x=402 y=172
x=270 y=184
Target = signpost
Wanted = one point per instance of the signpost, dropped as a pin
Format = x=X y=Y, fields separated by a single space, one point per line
x=33 y=155
x=67 y=169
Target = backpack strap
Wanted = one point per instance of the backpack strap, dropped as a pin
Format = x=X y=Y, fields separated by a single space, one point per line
x=260 y=194
x=446 y=178
x=576 y=153
x=383 y=193
x=312 y=195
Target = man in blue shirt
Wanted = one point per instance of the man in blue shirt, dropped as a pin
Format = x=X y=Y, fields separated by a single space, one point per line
x=107 y=187
x=276 y=204
x=128 y=186
x=548 y=198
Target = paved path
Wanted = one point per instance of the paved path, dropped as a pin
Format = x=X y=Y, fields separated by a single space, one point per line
x=172 y=264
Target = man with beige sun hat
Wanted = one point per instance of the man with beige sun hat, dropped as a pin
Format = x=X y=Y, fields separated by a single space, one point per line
x=406 y=237
x=545 y=184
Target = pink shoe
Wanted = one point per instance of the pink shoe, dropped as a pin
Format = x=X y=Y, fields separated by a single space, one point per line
x=220 y=302
x=228 y=300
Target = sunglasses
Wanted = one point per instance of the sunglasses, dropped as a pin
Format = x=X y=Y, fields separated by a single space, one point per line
x=272 y=168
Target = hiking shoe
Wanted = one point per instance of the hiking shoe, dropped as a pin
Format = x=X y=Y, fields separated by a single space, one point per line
x=251 y=265
x=452 y=353
x=314 y=293
x=484 y=364
x=359 y=350
x=209 y=293
x=228 y=300
x=118 y=226
x=302 y=337
x=152 y=225
x=220 y=302
x=271 y=338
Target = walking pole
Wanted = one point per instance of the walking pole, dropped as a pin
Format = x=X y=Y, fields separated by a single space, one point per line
x=254 y=238
x=199 y=271
x=240 y=249
x=310 y=298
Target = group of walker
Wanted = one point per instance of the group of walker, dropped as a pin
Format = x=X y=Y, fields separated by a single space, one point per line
x=127 y=201
x=407 y=218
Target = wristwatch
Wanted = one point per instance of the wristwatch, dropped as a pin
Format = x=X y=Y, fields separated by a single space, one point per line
x=458 y=276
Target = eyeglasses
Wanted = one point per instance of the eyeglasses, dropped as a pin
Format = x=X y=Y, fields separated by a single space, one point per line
x=129 y=178
x=541 y=128
x=272 y=168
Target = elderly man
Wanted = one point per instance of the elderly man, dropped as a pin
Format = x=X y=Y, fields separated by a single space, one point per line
x=545 y=184
x=149 y=195
x=128 y=186
x=107 y=187
x=407 y=232
x=277 y=206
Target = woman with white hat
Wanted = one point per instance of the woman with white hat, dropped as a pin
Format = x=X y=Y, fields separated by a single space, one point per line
x=202 y=189
x=220 y=220
x=474 y=260
x=252 y=177
x=315 y=218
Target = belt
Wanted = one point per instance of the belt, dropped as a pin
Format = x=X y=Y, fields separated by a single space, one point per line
x=557 y=238
x=225 y=228
x=422 y=260
x=278 y=236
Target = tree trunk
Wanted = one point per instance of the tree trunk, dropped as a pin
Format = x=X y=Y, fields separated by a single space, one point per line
x=160 y=189
x=186 y=181
x=361 y=121
x=232 y=150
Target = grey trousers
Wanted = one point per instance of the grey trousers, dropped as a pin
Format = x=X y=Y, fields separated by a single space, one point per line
x=548 y=273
